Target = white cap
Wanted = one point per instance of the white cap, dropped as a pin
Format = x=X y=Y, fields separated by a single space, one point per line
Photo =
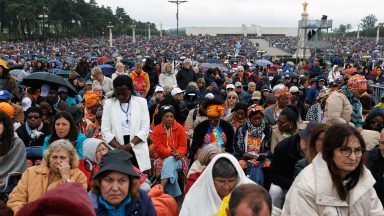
x=294 y=89
x=159 y=89
x=238 y=84
x=62 y=89
x=44 y=90
x=26 y=103
x=209 y=96
x=176 y=91
x=230 y=86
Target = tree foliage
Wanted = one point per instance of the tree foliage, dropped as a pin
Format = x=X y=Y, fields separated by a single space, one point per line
x=22 y=19
x=368 y=22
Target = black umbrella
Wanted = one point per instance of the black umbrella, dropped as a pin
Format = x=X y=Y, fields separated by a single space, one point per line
x=37 y=79
x=65 y=73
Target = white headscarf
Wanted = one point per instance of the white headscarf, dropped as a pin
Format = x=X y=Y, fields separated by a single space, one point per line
x=202 y=198
x=89 y=148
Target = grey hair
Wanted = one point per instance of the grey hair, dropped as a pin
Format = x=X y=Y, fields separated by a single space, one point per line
x=240 y=67
x=64 y=144
x=96 y=70
x=187 y=61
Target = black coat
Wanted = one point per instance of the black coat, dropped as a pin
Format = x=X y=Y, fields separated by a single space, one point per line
x=375 y=163
x=184 y=77
x=200 y=132
x=284 y=158
x=23 y=135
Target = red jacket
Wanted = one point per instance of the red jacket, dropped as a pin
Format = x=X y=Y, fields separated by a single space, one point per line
x=179 y=142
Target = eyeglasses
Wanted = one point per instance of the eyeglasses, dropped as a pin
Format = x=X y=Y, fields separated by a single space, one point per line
x=347 y=151
x=33 y=116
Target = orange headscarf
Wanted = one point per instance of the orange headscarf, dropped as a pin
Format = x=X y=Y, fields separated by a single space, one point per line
x=357 y=82
x=91 y=98
x=254 y=108
x=7 y=109
x=215 y=110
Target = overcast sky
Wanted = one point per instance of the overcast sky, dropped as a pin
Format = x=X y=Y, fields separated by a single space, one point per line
x=234 y=13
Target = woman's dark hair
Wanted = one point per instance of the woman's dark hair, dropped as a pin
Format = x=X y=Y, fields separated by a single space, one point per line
x=292 y=114
x=303 y=80
x=377 y=111
x=72 y=135
x=337 y=136
x=240 y=106
x=8 y=134
x=215 y=100
x=223 y=168
x=317 y=130
x=123 y=80
x=133 y=186
x=5 y=74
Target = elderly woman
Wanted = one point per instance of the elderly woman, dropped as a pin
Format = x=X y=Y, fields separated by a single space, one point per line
x=218 y=180
x=120 y=70
x=64 y=127
x=170 y=140
x=230 y=102
x=167 y=76
x=238 y=115
x=203 y=159
x=253 y=143
x=344 y=106
x=12 y=153
x=115 y=190
x=336 y=182
x=374 y=120
x=272 y=113
x=59 y=166
x=213 y=130
x=287 y=125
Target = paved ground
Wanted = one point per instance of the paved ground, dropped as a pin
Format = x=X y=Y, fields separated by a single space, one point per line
x=273 y=51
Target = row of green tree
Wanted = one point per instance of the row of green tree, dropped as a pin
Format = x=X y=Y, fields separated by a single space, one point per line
x=368 y=27
x=32 y=19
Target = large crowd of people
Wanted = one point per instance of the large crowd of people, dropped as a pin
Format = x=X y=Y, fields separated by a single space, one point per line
x=147 y=129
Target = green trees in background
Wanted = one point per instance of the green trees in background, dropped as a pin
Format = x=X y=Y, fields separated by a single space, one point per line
x=31 y=19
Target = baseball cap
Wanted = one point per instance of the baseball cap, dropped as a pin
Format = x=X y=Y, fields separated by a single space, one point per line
x=159 y=89
x=230 y=86
x=62 y=89
x=256 y=95
x=176 y=91
x=4 y=94
x=89 y=82
x=293 y=89
x=238 y=84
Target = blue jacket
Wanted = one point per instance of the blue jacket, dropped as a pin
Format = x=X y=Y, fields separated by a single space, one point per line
x=312 y=95
x=78 y=144
x=143 y=207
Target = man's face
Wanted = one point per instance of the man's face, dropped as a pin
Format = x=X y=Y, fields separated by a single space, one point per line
x=159 y=95
x=213 y=121
x=239 y=89
x=179 y=96
x=63 y=95
x=33 y=120
x=251 y=87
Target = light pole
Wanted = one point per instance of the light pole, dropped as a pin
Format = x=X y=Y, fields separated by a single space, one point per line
x=161 y=30
x=73 y=23
x=177 y=13
x=133 y=33
x=110 y=26
x=43 y=17
x=149 y=30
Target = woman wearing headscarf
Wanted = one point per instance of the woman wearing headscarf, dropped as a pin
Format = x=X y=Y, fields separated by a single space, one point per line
x=287 y=125
x=218 y=180
x=253 y=143
x=170 y=141
x=333 y=74
x=213 y=130
x=92 y=104
x=344 y=106
x=238 y=115
x=272 y=113
x=336 y=182
x=203 y=159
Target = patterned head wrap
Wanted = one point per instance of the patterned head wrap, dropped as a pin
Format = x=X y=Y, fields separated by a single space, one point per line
x=280 y=90
x=254 y=108
x=357 y=82
x=215 y=110
x=91 y=98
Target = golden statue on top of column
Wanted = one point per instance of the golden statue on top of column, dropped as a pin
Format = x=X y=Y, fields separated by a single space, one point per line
x=305 y=4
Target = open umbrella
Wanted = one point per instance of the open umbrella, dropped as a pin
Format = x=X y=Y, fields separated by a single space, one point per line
x=42 y=60
x=65 y=73
x=263 y=62
x=37 y=79
x=57 y=63
x=103 y=59
x=212 y=65
x=108 y=70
